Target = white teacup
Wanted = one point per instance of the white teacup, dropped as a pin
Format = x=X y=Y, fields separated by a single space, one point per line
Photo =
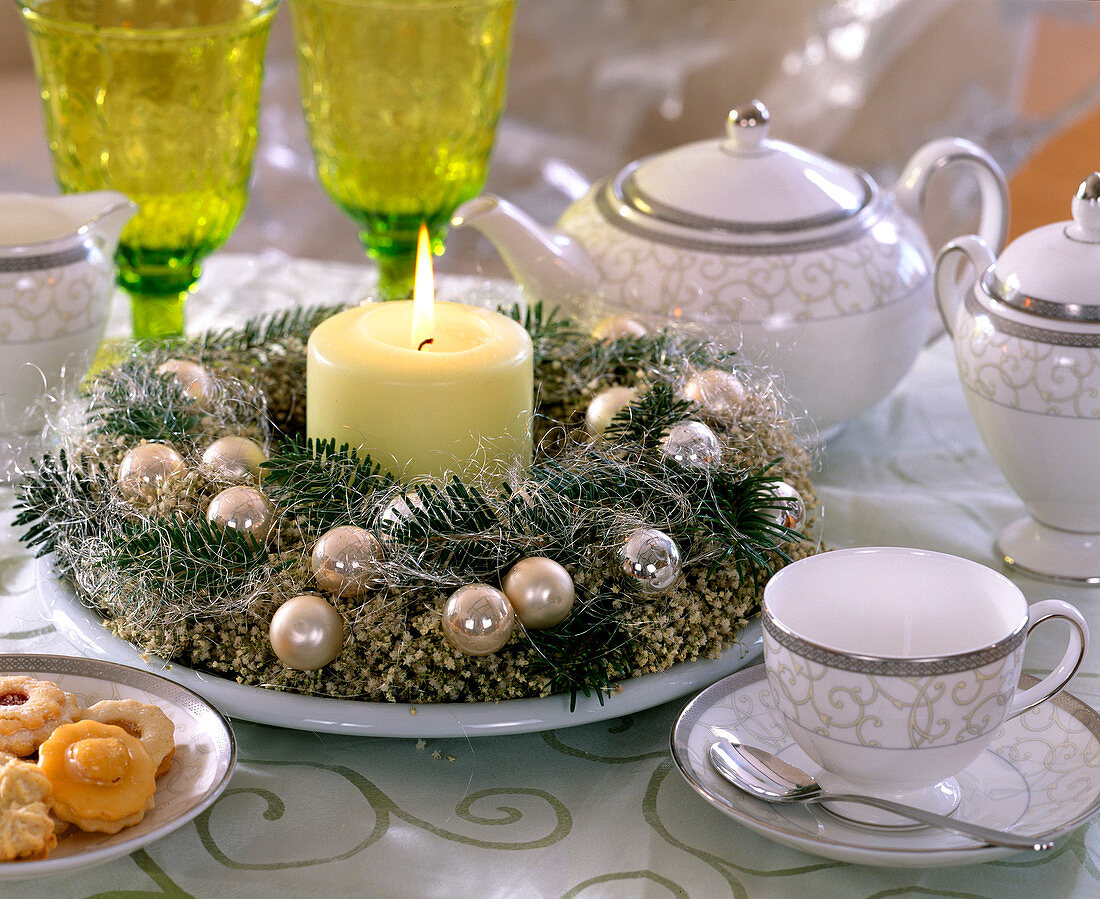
x=893 y=668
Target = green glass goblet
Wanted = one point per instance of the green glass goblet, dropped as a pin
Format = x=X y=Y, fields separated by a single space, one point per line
x=402 y=99
x=157 y=99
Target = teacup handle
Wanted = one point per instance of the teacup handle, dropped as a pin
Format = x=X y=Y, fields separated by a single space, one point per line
x=1071 y=661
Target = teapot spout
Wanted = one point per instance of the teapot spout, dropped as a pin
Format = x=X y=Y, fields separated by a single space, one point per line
x=549 y=264
x=105 y=214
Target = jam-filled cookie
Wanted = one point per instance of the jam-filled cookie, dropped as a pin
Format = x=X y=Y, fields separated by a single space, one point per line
x=103 y=778
x=26 y=828
x=30 y=709
x=142 y=720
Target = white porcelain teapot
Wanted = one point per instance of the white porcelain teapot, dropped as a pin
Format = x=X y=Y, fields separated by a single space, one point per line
x=57 y=275
x=1027 y=342
x=789 y=256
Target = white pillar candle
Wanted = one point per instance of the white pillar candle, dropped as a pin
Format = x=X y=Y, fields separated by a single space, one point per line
x=460 y=404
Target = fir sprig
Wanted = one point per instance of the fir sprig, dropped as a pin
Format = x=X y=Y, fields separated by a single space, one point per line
x=648 y=418
x=57 y=499
x=587 y=653
x=453 y=526
x=321 y=484
x=264 y=330
x=135 y=401
x=187 y=557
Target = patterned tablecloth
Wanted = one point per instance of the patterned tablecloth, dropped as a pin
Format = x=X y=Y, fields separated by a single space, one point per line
x=596 y=810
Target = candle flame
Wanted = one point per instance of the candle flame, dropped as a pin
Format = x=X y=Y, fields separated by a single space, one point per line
x=423 y=327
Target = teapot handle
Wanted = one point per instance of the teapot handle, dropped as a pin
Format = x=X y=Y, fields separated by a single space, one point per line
x=948 y=284
x=935 y=155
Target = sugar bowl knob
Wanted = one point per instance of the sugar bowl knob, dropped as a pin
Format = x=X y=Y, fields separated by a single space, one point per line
x=1086 y=211
x=746 y=127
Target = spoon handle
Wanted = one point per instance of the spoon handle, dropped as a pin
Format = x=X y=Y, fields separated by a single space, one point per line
x=964 y=828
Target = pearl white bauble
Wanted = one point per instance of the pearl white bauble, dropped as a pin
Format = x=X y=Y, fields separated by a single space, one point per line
x=693 y=444
x=346 y=561
x=478 y=619
x=615 y=327
x=605 y=406
x=540 y=590
x=306 y=632
x=194 y=380
x=235 y=456
x=652 y=557
x=243 y=509
x=720 y=393
x=397 y=511
x=145 y=468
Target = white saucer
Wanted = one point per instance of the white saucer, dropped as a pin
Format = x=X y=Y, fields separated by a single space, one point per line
x=1040 y=775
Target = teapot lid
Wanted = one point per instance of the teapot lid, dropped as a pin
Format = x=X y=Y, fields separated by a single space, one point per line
x=745 y=184
x=1053 y=270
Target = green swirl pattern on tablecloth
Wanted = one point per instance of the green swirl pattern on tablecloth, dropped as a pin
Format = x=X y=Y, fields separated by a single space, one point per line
x=593 y=811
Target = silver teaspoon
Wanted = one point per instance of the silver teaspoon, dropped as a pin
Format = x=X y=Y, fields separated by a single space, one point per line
x=763 y=775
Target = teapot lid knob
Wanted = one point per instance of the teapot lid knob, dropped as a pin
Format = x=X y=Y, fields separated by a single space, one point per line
x=746 y=127
x=1086 y=211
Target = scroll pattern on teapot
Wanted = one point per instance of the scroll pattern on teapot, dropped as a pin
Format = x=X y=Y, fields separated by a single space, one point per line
x=795 y=283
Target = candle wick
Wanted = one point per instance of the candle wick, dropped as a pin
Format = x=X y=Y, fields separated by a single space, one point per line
x=424 y=343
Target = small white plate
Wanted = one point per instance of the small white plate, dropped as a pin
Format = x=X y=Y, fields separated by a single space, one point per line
x=84 y=629
x=1040 y=775
x=201 y=767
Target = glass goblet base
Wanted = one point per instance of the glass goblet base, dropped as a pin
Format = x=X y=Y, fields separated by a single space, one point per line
x=390 y=241
x=156 y=316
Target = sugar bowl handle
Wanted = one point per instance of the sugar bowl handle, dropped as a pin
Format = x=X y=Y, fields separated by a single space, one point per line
x=938 y=154
x=949 y=284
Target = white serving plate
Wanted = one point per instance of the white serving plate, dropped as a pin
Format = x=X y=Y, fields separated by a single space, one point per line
x=84 y=628
x=201 y=767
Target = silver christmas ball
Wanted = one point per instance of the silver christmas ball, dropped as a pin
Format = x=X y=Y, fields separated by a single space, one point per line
x=306 y=632
x=652 y=557
x=693 y=444
x=347 y=561
x=478 y=619
x=720 y=393
x=243 y=509
x=540 y=590
x=193 y=379
x=787 y=506
x=615 y=327
x=604 y=407
x=235 y=456
x=145 y=468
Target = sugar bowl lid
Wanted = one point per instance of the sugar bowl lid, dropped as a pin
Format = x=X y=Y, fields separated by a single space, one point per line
x=747 y=184
x=1054 y=270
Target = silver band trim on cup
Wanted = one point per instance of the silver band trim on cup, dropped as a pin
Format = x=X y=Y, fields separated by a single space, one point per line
x=887 y=667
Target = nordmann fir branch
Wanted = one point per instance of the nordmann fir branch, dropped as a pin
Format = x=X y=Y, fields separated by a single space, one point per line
x=188 y=556
x=323 y=485
x=135 y=401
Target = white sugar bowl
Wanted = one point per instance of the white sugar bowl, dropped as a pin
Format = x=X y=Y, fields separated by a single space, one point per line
x=1027 y=342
